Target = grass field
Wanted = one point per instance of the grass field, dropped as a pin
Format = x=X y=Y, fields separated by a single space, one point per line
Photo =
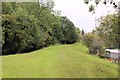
x=58 y=61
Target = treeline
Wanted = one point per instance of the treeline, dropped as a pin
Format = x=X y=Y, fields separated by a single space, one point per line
x=29 y=26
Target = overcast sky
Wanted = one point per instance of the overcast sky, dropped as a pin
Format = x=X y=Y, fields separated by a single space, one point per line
x=78 y=13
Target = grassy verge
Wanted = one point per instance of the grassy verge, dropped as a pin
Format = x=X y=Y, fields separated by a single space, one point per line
x=58 y=61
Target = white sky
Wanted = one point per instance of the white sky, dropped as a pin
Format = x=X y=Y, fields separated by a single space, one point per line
x=78 y=12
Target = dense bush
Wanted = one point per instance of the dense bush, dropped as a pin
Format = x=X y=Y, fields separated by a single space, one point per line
x=94 y=43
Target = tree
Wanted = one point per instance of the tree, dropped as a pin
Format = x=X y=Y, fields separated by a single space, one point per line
x=82 y=32
x=69 y=30
x=15 y=31
x=109 y=30
x=78 y=32
x=58 y=31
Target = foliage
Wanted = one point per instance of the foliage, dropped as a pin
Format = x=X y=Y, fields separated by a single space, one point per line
x=94 y=43
x=69 y=31
x=29 y=26
x=105 y=2
x=109 y=31
x=91 y=8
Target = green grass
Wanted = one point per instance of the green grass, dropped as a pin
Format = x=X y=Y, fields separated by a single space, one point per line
x=58 y=61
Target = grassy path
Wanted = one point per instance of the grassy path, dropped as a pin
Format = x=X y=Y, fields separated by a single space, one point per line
x=59 y=61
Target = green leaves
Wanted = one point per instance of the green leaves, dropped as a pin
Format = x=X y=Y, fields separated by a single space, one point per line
x=105 y=2
x=91 y=8
x=97 y=2
x=69 y=30
x=86 y=1
x=94 y=43
x=109 y=31
x=30 y=26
